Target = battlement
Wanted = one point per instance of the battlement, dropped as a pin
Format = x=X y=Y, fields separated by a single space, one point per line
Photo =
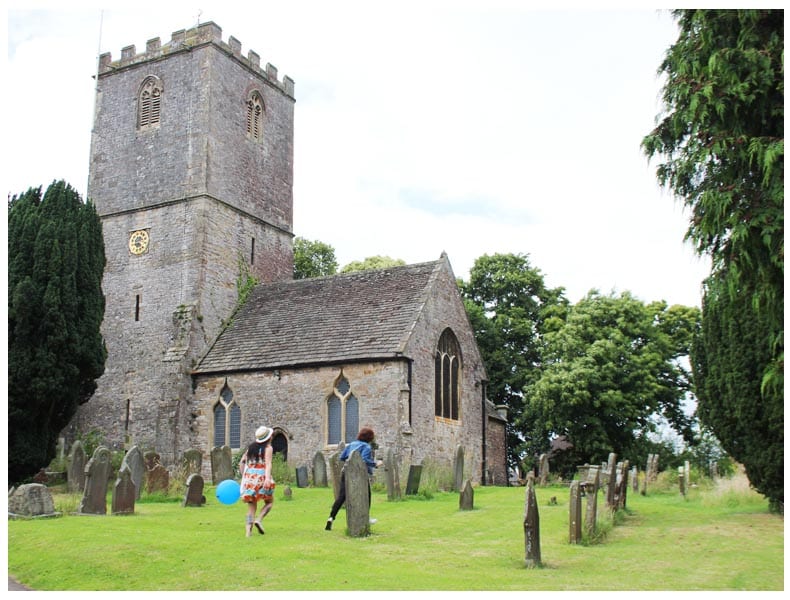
x=185 y=40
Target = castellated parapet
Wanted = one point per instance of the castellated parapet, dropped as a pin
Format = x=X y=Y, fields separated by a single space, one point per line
x=185 y=40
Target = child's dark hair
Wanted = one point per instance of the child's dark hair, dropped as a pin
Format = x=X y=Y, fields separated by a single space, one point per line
x=366 y=435
x=256 y=450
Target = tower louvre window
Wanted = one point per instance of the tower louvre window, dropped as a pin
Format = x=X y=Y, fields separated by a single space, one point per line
x=255 y=116
x=149 y=103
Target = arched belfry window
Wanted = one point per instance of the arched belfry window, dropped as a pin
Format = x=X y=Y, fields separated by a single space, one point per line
x=255 y=116
x=447 y=372
x=227 y=420
x=149 y=103
x=342 y=411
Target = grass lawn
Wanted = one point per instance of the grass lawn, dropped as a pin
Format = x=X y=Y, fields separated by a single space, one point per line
x=711 y=540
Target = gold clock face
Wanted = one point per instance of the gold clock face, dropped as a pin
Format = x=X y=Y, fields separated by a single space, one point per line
x=138 y=241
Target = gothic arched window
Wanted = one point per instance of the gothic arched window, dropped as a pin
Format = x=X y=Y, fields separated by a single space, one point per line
x=149 y=103
x=255 y=116
x=447 y=367
x=342 y=411
x=227 y=420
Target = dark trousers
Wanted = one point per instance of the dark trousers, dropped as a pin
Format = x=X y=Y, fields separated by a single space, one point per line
x=341 y=496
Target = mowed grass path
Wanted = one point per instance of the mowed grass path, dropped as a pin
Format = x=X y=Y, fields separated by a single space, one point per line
x=663 y=542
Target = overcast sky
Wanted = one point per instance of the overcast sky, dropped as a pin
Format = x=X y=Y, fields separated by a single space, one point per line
x=420 y=127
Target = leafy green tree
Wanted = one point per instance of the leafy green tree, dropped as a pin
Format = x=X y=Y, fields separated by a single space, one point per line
x=313 y=259
x=55 y=309
x=722 y=143
x=372 y=263
x=607 y=373
x=511 y=308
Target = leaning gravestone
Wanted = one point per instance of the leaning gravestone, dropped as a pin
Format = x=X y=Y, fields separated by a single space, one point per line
x=458 y=468
x=466 y=500
x=593 y=482
x=575 y=513
x=319 y=470
x=301 y=477
x=393 y=480
x=134 y=460
x=194 y=493
x=31 y=500
x=336 y=467
x=531 y=525
x=221 y=464
x=191 y=462
x=97 y=475
x=76 y=468
x=357 y=496
x=124 y=492
x=413 y=484
x=611 y=484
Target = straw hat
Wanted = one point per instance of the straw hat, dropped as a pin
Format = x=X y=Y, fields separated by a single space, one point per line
x=262 y=434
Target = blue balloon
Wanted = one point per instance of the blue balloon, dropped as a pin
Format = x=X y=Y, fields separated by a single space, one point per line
x=228 y=491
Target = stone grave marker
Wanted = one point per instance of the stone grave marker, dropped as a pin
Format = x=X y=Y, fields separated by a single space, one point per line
x=97 y=475
x=31 y=500
x=76 y=468
x=221 y=464
x=458 y=468
x=157 y=479
x=194 y=492
x=575 y=513
x=302 y=480
x=336 y=467
x=591 y=516
x=357 y=496
x=134 y=460
x=611 y=484
x=192 y=462
x=319 y=470
x=125 y=492
x=466 y=500
x=391 y=470
x=413 y=483
x=531 y=525
x=543 y=471
x=634 y=479
x=682 y=481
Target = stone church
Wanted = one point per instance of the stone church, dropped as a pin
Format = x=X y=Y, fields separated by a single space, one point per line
x=191 y=172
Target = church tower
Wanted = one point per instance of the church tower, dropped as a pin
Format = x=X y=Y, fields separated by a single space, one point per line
x=191 y=171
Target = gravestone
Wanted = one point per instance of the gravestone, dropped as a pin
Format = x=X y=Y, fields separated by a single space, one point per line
x=221 y=464
x=466 y=500
x=611 y=483
x=288 y=492
x=134 y=460
x=336 y=467
x=591 y=516
x=543 y=470
x=391 y=471
x=531 y=525
x=458 y=468
x=301 y=477
x=157 y=479
x=575 y=513
x=622 y=492
x=682 y=481
x=97 y=475
x=319 y=470
x=191 y=462
x=31 y=500
x=194 y=493
x=357 y=496
x=413 y=483
x=124 y=492
x=687 y=474
x=76 y=468
x=634 y=479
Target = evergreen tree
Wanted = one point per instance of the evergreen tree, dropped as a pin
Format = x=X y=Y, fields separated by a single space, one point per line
x=55 y=309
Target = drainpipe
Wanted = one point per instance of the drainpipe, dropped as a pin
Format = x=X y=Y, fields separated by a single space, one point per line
x=485 y=428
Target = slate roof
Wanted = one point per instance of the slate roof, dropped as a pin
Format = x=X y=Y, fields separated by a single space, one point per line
x=366 y=315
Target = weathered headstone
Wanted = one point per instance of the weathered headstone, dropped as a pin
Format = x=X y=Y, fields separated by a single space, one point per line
x=682 y=481
x=191 y=462
x=301 y=477
x=194 y=492
x=413 y=483
x=336 y=467
x=221 y=464
x=531 y=525
x=575 y=513
x=635 y=479
x=391 y=470
x=76 y=468
x=458 y=468
x=97 y=474
x=151 y=459
x=134 y=460
x=543 y=469
x=466 y=500
x=31 y=500
x=357 y=496
x=157 y=479
x=288 y=492
x=319 y=470
x=124 y=492
x=591 y=516
x=611 y=484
